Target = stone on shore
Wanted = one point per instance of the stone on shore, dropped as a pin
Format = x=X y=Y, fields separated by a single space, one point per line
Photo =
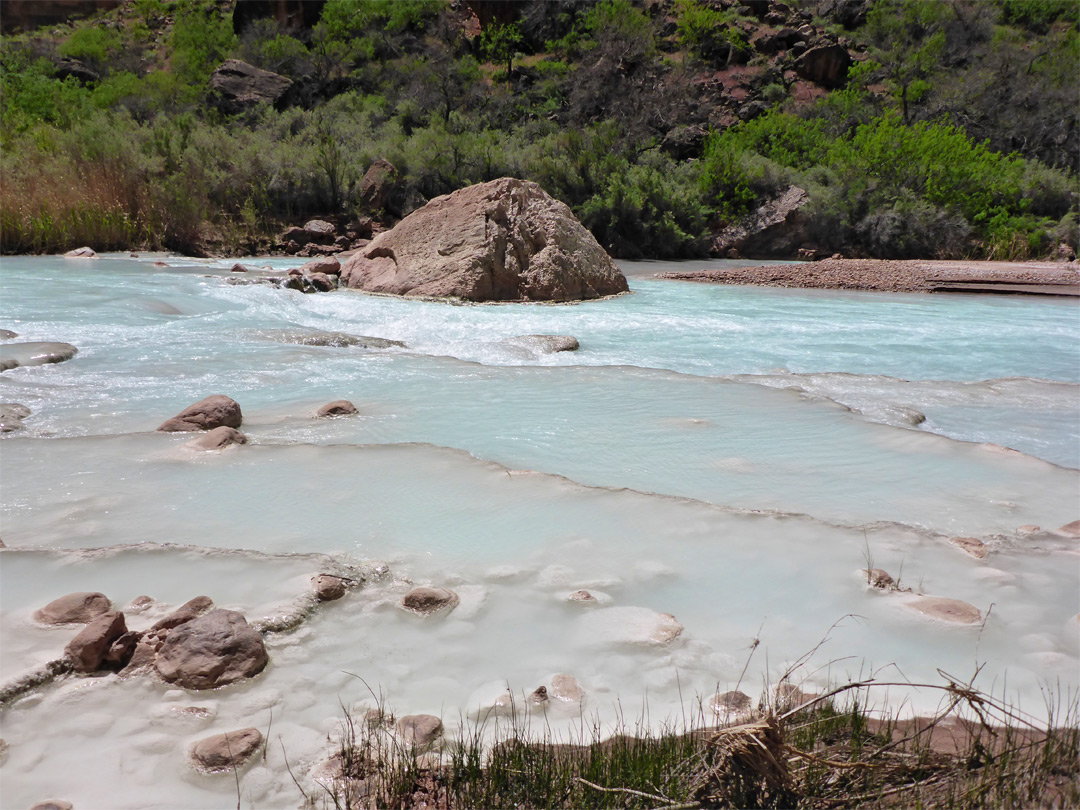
x=731 y=706
x=217 y=439
x=505 y=240
x=74 y=608
x=420 y=729
x=223 y=752
x=87 y=650
x=327 y=587
x=81 y=253
x=339 y=407
x=213 y=650
x=37 y=353
x=206 y=414
x=429 y=600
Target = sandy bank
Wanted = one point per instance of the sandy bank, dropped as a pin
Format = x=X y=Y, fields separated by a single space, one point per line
x=892 y=275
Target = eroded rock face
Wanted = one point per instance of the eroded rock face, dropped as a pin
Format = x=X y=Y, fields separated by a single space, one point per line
x=774 y=229
x=505 y=240
x=340 y=407
x=240 y=86
x=212 y=650
x=206 y=414
x=429 y=600
x=74 y=608
x=87 y=650
x=420 y=729
x=217 y=439
x=223 y=752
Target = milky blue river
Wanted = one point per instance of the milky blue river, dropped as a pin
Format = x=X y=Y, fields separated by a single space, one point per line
x=731 y=456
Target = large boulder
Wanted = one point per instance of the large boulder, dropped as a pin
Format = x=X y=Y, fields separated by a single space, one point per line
x=74 y=608
x=379 y=186
x=239 y=86
x=776 y=228
x=206 y=414
x=213 y=650
x=505 y=240
x=826 y=65
x=87 y=650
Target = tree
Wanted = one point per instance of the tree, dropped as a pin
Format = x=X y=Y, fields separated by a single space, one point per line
x=910 y=39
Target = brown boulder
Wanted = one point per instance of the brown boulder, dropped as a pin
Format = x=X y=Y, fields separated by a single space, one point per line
x=774 y=229
x=429 y=600
x=379 y=185
x=319 y=231
x=206 y=414
x=420 y=729
x=947 y=610
x=192 y=609
x=223 y=752
x=879 y=578
x=239 y=86
x=87 y=650
x=75 y=608
x=327 y=587
x=826 y=65
x=324 y=264
x=321 y=282
x=505 y=240
x=210 y=651
x=339 y=407
x=217 y=439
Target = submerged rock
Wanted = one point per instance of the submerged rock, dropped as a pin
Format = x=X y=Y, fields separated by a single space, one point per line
x=81 y=253
x=947 y=610
x=566 y=689
x=970 y=545
x=213 y=650
x=87 y=650
x=630 y=625
x=7 y=334
x=223 y=752
x=505 y=240
x=206 y=414
x=340 y=407
x=217 y=439
x=335 y=339
x=38 y=353
x=582 y=596
x=11 y=416
x=74 y=608
x=548 y=344
x=429 y=600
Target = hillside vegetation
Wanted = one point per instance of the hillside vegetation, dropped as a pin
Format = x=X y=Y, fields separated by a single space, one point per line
x=918 y=128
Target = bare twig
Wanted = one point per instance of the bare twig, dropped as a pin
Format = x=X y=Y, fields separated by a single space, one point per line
x=622 y=790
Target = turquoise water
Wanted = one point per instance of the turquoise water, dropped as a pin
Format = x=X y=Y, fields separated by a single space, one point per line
x=729 y=455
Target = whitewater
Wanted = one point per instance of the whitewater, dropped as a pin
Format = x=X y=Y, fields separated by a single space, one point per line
x=731 y=456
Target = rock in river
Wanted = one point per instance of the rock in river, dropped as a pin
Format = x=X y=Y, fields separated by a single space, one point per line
x=339 y=407
x=217 y=439
x=74 y=608
x=206 y=414
x=215 y=649
x=429 y=600
x=87 y=650
x=223 y=752
x=34 y=354
x=505 y=240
